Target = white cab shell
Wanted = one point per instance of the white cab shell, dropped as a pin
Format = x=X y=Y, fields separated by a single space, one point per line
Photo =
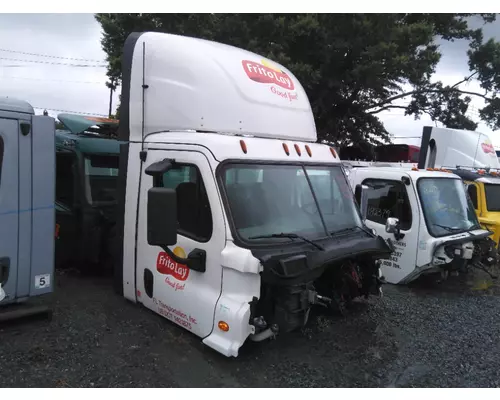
x=180 y=83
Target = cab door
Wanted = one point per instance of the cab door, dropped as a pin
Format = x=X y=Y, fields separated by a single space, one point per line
x=9 y=207
x=388 y=196
x=182 y=295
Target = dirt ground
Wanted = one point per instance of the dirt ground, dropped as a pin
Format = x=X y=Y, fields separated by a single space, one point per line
x=437 y=335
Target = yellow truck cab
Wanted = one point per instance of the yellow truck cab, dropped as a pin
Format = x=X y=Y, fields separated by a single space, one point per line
x=483 y=187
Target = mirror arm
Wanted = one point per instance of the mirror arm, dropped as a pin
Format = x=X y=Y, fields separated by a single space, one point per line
x=196 y=259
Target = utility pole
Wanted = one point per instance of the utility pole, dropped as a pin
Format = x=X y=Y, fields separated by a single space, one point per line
x=110 y=101
x=112 y=84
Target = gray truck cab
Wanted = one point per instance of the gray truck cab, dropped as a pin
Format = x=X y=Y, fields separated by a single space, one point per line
x=27 y=189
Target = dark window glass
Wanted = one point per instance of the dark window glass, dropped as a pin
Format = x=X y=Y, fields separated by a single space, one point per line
x=492 y=193
x=473 y=195
x=101 y=177
x=266 y=199
x=388 y=199
x=65 y=179
x=194 y=216
x=447 y=208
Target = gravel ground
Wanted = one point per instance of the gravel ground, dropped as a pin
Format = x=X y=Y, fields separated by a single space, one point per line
x=439 y=336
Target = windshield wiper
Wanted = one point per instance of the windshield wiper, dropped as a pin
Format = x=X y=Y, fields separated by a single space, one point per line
x=333 y=233
x=448 y=228
x=288 y=235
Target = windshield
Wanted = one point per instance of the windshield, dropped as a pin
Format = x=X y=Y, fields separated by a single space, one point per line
x=447 y=208
x=270 y=199
x=492 y=192
x=101 y=172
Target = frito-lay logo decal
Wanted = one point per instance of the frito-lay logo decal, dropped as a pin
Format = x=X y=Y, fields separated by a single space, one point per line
x=266 y=73
x=166 y=266
x=487 y=147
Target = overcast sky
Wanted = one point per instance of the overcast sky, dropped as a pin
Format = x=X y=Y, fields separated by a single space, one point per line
x=67 y=37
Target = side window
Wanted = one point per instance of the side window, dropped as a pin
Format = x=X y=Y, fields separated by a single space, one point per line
x=65 y=189
x=472 y=190
x=388 y=199
x=194 y=216
x=1 y=158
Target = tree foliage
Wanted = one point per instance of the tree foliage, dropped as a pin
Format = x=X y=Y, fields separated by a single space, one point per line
x=352 y=66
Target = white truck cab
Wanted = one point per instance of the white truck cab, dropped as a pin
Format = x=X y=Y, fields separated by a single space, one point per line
x=233 y=221
x=449 y=148
x=427 y=215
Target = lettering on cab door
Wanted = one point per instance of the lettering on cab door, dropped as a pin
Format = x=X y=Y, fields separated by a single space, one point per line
x=176 y=273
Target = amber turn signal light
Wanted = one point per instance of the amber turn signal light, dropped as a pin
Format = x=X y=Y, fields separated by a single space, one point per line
x=223 y=326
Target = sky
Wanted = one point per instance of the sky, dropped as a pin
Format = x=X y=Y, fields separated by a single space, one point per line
x=52 y=86
x=75 y=39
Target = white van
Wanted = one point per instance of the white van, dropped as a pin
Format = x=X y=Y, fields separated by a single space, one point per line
x=225 y=229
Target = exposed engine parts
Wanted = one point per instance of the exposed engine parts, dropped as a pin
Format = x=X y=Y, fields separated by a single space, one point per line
x=287 y=308
x=485 y=256
x=461 y=257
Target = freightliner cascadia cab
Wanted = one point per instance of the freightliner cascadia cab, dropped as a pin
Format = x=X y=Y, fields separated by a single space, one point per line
x=234 y=221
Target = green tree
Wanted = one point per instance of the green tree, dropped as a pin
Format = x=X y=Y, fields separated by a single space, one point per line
x=352 y=66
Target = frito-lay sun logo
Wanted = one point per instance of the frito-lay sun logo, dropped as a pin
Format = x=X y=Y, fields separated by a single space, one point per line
x=487 y=147
x=166 y=266
x=264 y=72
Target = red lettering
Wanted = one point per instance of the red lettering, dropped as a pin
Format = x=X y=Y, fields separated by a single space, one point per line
x=166 y=266
x=488 y=148
x=262 y=74
x=176 y=316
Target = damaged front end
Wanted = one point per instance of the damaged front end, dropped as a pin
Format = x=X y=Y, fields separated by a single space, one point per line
x=485 y=256
x=296 y=280
x=471 y=251
x=301 y=222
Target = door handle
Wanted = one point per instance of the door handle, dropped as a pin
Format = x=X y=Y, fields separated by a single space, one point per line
x=4 y=270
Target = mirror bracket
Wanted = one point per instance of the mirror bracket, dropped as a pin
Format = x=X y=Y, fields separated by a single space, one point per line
x=196 y=259
x=364 y=201
x=160 y=167
x=396 y=231
x=398 y=235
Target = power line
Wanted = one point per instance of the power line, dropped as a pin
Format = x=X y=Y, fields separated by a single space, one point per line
x=53 y=63
x=47 y=56
x=53 y=80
